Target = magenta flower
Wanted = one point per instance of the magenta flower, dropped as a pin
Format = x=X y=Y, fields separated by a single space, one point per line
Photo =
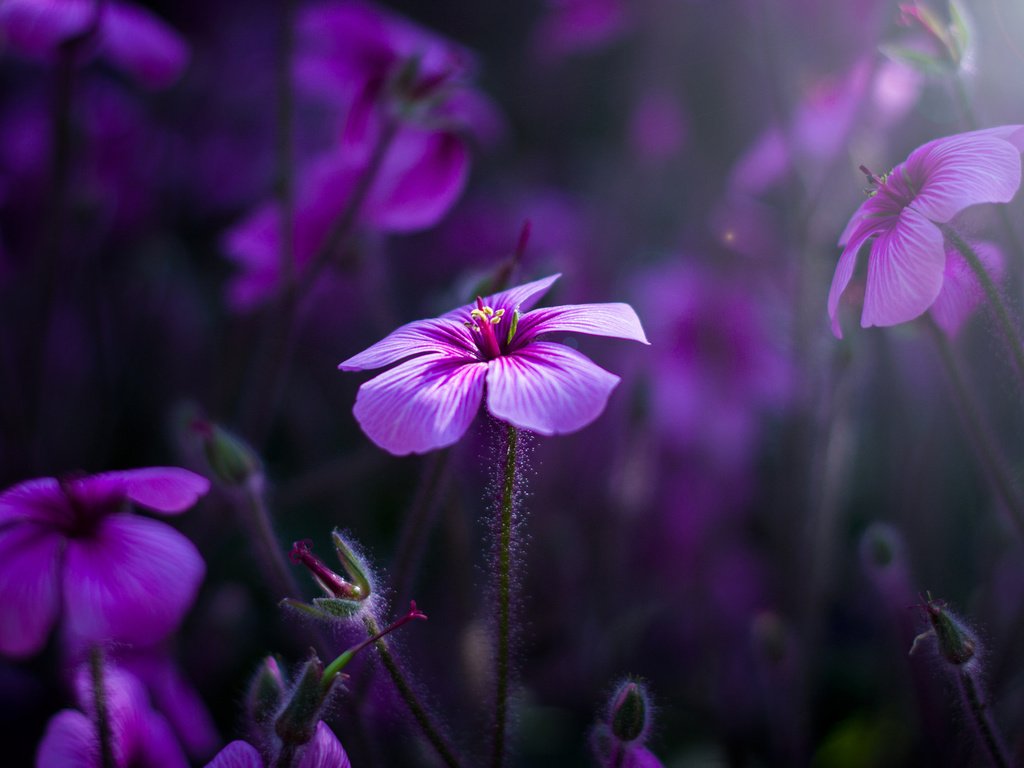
x=324 y=751
x=901 y=218
x=430 y=398
x=138 y=735
x=71 y=549
x=129 y=37
x=961 y=290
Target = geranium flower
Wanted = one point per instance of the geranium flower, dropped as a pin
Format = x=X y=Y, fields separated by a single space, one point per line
x=138 y=735
x=430 y=398
x=128 y=36
x=961 y=290
x=71 y=549
x=901 y=220
x=323 y=751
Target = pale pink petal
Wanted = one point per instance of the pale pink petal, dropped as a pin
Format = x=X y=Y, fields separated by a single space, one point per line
x=960 y=171
x=422 y=176
x=170 y=490
x=132 y=581
x=424 y=403
x=324 y=751
x=237 y=754
x=547 y=388
x=29 y=587
x=41 y=500
x=70 y=741
x=961 y=291
x=618 y=321
x=143 y=45
x=841 y=279
x=904 y=271
x=522 y=297
x=420 y=337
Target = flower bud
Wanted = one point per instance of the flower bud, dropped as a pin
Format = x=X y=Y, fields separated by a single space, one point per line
x=296 y=724
x=344 y=597
x=232 y=461
x=628 y=711
x=956 y=641
x=266 y=692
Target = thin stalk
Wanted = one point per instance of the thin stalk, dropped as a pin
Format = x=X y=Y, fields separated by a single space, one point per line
x=418 y=524
x=261 y=531
x=423 y=719
x=99 y=693
x=987 y=731
x=984 y=444
x=286 y=756
x=995 y=299
x=286 y=146
x=502 y=658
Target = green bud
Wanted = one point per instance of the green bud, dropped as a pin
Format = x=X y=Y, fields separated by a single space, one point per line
x=628 y=712
x=266 y=691
x=957 y=643
x=296 y=724
x=232 y=461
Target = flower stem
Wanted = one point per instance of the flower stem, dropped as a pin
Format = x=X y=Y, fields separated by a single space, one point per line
x=505 y=526
x=986 y=728
x=418 y=523
x=1013 y=339
x=99 y=693
x=261 y=532
x=430 y=730
x=983 y=440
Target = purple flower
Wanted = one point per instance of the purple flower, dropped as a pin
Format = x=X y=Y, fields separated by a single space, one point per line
x=324 y=751
x=138 y=735
x=961 y=290
x=129 y=37
x=901 y=219
x=71 y=548
x=430 y=398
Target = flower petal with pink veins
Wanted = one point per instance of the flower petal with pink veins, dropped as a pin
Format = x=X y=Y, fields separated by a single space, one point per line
x=69 y=742
x=237 y=754
x=324 y=751
x=29 y=587
x=440 y=336
x=618 y=321
x=132 y=581
x=170 y=490
x=904 y=271
x=424 y=403
x=547 y=388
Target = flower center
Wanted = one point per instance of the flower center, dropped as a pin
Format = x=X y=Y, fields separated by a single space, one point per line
x=482 y=322
x=875 y=182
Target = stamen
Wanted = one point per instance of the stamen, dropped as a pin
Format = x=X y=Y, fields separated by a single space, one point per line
x=333 y=584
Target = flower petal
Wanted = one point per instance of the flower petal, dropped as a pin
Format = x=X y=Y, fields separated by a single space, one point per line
x=961 y=291
x=522 y=297
x=127 y=707
x=36 y=29
x=618 y=321
x=841 y=279
x=158 y=747
x=132 y=581
x=904 y=271
x=441 y=336
x=41 y=500
x=69 y=742
x=144 y=45
x=170 y=490
x=237 y=754
x=422 y=404
x=29 y=587
x=547 y=388
x=324 y=751
x=960 y=171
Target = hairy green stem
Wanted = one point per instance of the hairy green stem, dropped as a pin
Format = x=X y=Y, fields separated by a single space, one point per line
x=420 y=714
x=984 y=443
x=99 y=693
x=502 y=657
x=995 y=299
x=986 y=728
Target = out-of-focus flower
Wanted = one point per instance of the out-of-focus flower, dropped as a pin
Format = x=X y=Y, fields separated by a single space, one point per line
x=902 y=217
x=961 y=290
x=71 y=549
x=657 y=126
x=129 y=37
x=619 y=741
x=138 y=735
x=324 y=751
x=577 y=26
x=430 y=398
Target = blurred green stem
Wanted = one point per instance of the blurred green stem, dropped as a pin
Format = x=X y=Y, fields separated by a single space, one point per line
x=987 y=731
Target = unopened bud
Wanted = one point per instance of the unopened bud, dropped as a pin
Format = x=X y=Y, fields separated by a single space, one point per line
x=344 y=597
x=266 y=692
x=232 y=461
x=297 y=722
x=628 y=712
x=956 y=641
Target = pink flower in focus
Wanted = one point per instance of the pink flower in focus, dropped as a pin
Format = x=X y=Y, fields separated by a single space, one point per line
x=138 y=735
x=430 y=398
x=129 y=37
x=900 y=220
x=71 y=549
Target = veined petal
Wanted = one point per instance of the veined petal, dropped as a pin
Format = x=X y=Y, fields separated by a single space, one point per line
x=618 y=321
x=70 y=741
x=324 y=751
x=904 y=271
x=438 y=336
x=29 y=587
x=547 y=388
x=960 y=171
x=237 y=754
x=422 y=404
x=41 y=500
x=843 y=274
x=132 y=581
x=170 y=490
x=961 y=291
x=522 y=297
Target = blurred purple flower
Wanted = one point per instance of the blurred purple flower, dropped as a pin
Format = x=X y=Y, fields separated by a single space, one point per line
x=129 y=37
x=324 y=751
x=901 y=219
x=961 y=290
x=575 y=26
x=430 y=398
x=139 y=736
x=70 y=548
